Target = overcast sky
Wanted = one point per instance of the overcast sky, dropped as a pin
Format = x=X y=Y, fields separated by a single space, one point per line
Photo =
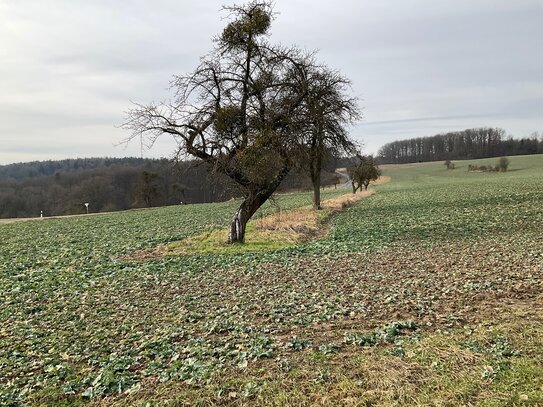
x=69 y=68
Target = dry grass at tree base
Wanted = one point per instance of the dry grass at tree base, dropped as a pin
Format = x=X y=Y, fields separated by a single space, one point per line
x=306 y=223
x=279 y=230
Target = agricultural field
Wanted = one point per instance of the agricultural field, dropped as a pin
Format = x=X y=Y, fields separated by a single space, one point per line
x=428 y=292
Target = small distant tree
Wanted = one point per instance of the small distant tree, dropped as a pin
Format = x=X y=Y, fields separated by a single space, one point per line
x=449 y=164
x=363 y=172
x=179 y=191
x=326 y=112
x=503 y=164
x=148 y=190
x=337 y=181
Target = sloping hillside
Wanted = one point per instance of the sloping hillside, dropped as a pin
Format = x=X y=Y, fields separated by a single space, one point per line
x=428 y=292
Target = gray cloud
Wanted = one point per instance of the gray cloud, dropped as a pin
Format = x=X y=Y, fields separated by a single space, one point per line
x=70 y=67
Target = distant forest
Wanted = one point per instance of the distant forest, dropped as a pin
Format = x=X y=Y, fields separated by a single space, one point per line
x=111 y=184
x=466 y=144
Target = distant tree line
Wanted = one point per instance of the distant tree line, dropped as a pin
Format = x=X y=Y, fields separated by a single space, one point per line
x=466 y=144
x=111 y=184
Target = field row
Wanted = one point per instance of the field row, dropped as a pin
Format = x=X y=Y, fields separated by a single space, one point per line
x=433 y=251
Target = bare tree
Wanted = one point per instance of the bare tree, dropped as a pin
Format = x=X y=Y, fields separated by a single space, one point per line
x=362 y=173
x=148 y=189
x=326 y=113
x=236 y=110
x=503 y=164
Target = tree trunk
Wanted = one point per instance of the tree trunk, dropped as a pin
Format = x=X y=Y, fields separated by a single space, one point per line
x=315 y=168
x=245 y=211
x=239 y=223
x=316 y=195
x=315 y=164
x=254 y=200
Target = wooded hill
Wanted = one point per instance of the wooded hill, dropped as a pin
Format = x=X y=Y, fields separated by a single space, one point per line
x=111 y=184
x=466 y=144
